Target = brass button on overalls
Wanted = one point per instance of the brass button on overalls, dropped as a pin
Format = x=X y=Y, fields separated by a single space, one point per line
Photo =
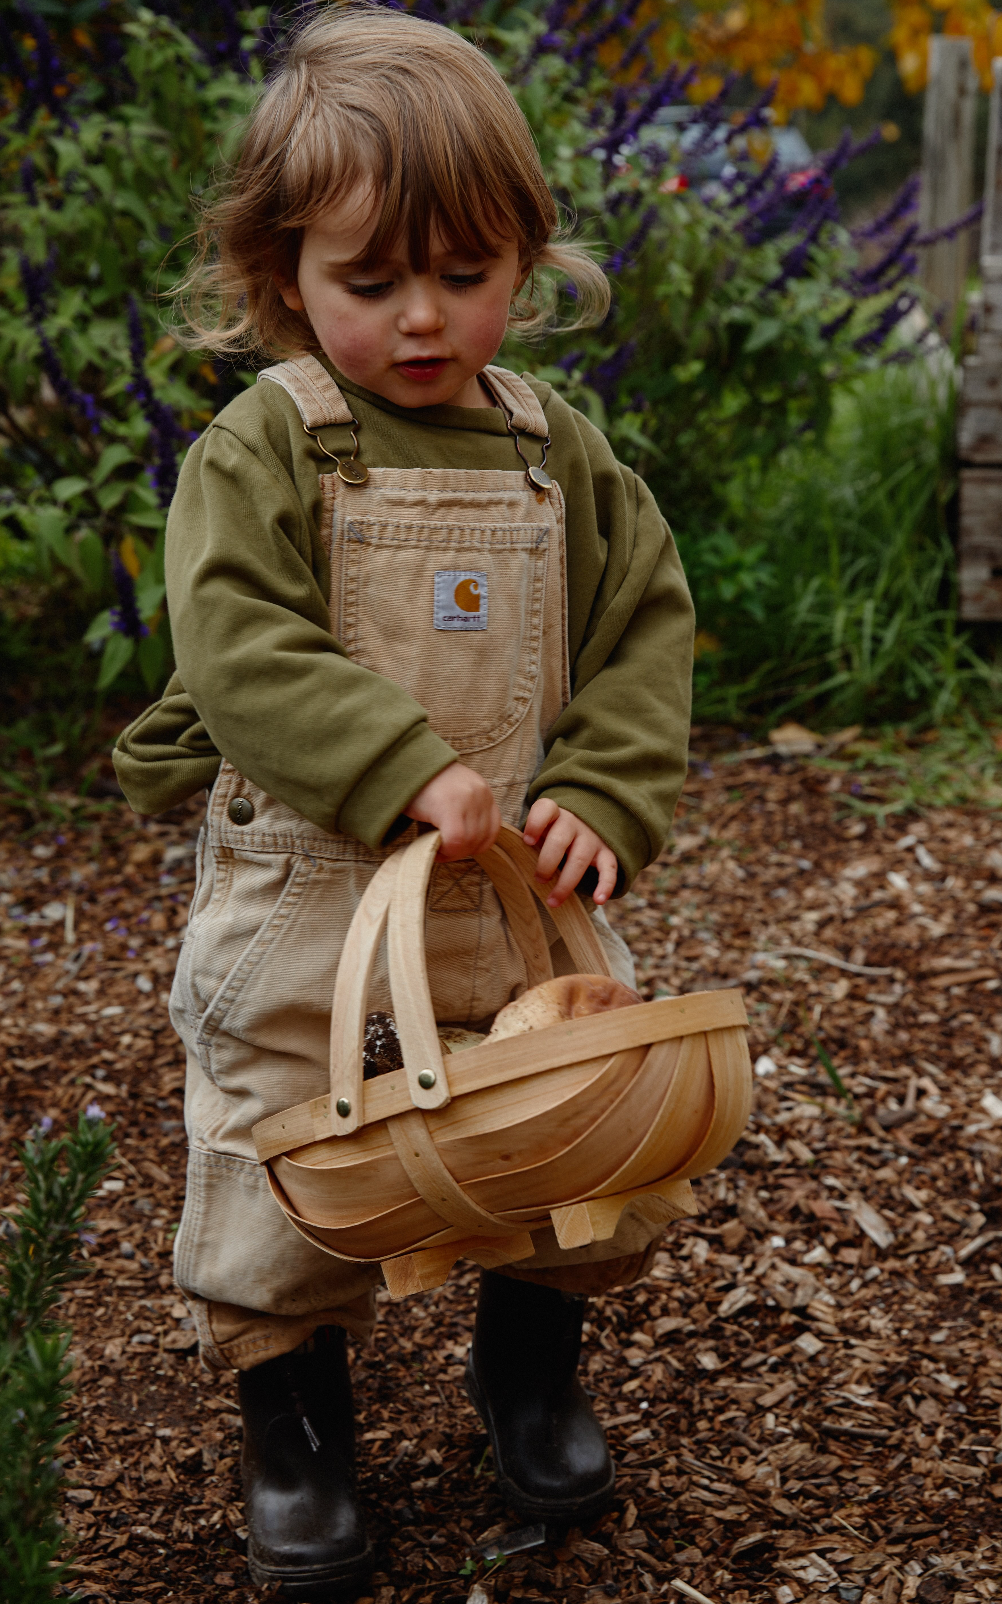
x=240 y=810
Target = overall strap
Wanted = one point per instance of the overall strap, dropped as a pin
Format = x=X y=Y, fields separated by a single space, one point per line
x=320 y=402
x=317 y=397
x=527 y=416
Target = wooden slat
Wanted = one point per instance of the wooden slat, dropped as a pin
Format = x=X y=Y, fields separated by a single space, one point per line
x=732 y=1093
x=947 y=164
x=572 y=1041
x=678 y=1126
x=522 y=914
x=432 y=1180
x=351 y=994
x=573 y=923
x=420 y=1272
x=412 y=1006
x=596 y=1220
x=980 y=543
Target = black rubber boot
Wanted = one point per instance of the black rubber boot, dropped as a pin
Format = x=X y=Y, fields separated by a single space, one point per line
x=550 y=1453
x=298 y=1466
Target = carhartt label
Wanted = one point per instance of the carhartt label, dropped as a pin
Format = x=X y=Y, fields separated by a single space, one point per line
x=460 y=599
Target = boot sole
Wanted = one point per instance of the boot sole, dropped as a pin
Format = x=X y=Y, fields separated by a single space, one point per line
x=315 y=1581
x=571 y=1511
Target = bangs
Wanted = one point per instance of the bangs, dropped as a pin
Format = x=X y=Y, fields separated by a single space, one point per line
x=380 y=103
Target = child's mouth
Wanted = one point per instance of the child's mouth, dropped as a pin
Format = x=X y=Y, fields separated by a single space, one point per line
x=423 y=367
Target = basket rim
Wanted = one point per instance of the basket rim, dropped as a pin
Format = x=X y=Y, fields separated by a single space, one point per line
x=514 y=1058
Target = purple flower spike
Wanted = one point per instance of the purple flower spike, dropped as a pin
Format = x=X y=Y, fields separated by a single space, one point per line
x=165 y=432
x=45 y=1124
x=125 y=617
x=94 y=1112
x=35 y=281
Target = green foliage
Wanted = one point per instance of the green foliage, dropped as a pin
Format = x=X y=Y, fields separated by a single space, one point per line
x=37 y=1260
x=94 y=211
x=727 y=341
x=806 y=488
x=858 y=593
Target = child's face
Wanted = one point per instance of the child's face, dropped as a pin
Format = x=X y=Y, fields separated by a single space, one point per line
x=417 y=339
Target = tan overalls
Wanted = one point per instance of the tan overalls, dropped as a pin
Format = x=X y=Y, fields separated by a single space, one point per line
x=451 y=583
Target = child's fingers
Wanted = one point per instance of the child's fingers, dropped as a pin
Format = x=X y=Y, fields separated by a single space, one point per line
x=579 y=857
x=541 y=815
x=608 y=872
x=559 y=838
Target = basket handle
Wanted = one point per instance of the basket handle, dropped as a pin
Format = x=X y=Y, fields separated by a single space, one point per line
x=395 y=901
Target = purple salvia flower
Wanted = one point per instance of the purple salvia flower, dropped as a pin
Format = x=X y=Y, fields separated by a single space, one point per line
x=845 y=151
x=627 y=253
x=35 y=281
x=125 y=619
x=44 y=78
x=837 y=324
x=755 y=116
x=951 y=230
x=873 y=338
x=639 y=44
x=165 y=433
x=868 y=281
x=902 y=206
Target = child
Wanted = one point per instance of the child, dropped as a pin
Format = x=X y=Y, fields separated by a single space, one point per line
x=388 y=612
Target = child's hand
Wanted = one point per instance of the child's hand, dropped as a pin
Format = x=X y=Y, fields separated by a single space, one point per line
x=461 y=805
x=570 y=842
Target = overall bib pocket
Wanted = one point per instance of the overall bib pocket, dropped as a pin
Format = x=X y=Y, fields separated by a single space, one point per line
x=451 y=612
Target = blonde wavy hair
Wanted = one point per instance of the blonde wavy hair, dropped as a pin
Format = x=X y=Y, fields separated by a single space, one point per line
x=422 y=120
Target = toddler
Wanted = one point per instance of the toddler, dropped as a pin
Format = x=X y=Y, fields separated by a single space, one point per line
x=406 y=587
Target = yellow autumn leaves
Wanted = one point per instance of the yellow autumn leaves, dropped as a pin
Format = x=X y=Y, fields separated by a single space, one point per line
x=915 y=20
x=786 y=42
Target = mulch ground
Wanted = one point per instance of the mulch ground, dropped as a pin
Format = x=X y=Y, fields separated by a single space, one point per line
x=803 y=1398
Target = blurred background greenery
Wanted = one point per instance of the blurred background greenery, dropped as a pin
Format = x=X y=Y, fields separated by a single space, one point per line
x=767 y=365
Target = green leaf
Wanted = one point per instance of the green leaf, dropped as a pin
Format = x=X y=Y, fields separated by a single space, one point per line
x=98 y=629
x=66 y=489
x=118 y=652
x=91 y=557
x=152 y=659
x=763 y=333
x=111 y=458
x=109 y=495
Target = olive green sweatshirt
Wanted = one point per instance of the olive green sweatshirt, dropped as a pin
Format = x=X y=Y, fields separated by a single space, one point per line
x=262 y=680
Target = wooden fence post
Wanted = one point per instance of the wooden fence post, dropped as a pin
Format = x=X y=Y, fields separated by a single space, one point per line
x=947 y=164
x=979 y=414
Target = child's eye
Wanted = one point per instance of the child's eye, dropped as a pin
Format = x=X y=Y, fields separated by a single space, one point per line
x=464 y=281
x=369 y=291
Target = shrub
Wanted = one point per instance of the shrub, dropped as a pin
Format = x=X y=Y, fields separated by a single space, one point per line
x=853 y=613
x=37 y=1260
x=742 y=306
x=96 y=402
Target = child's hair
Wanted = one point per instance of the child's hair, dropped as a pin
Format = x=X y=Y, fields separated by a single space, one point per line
x=408 y=110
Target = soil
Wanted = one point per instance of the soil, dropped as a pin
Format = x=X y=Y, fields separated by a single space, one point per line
x=804 y=1396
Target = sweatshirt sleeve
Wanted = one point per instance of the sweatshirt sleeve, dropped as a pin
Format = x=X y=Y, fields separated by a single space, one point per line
x=276 y=693
x=616 y=757
x=166 y=754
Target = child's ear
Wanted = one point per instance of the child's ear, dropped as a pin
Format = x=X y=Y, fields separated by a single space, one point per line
x=288 y=289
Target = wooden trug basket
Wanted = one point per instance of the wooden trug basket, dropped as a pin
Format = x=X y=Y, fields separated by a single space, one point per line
x=461 y=1155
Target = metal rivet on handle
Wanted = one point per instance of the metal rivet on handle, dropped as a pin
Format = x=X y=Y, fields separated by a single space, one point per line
x=343 y=1107
x=427 y=1079
x=240 y=810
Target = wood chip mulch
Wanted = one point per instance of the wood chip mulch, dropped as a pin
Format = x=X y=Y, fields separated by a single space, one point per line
x=803 y=1398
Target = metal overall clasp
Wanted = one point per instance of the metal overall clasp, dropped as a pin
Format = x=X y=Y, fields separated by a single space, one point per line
x=349 y=469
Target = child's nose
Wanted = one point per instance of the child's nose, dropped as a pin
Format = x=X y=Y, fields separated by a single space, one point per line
x=421 y=314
